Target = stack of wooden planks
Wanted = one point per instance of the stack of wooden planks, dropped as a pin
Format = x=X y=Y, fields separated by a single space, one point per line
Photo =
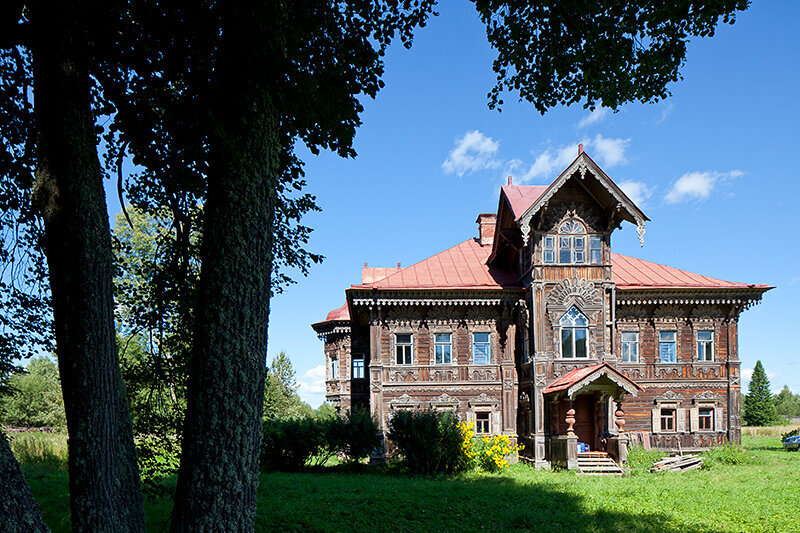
x=679 y=463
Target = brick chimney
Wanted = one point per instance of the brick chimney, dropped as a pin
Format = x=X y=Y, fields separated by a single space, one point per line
x=486 y=223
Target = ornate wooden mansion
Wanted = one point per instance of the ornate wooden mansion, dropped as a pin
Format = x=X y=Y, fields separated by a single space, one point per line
x=537 y=330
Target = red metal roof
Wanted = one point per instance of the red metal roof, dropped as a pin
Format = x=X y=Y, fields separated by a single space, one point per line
x=571 y=378
x=373 y=274
x=631 y=273
x=461 y=267
x=521 y=197
x=342 y=313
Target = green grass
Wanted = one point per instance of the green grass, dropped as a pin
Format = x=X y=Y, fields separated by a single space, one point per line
x=753 y=489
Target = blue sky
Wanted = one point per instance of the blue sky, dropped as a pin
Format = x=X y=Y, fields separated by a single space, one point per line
x=713 y=167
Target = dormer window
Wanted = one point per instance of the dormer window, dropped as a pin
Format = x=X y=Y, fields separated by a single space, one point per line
x=572 y=246
x=574 y=334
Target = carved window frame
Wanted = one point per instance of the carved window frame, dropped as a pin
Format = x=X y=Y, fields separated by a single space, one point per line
x=412 y=350
x=704 y=324
x=670 y=401
x=443 y=331
x=559 y=337
x=666 y=326
x=480 y=330
x=630 y=328
x=717 y=420
x=485 y=404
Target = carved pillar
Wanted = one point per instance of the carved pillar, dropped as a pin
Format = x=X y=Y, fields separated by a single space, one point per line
x=570 y=420
x=376 y=372
x=510 y=384
x=620 y=418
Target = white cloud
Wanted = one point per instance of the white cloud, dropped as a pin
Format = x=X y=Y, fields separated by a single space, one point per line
x=666 y=111
x=594 y=117
x=311 y=386
x=638 y=191
x=472 y=152
x=608 y=152
x=697 y=185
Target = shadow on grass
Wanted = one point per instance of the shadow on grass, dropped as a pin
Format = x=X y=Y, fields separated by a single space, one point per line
x=374 y=502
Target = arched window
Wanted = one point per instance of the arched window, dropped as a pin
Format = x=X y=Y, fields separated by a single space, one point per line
x=574 y=333
x=571 y=242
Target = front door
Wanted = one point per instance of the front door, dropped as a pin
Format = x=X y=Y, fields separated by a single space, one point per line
x=584 y=419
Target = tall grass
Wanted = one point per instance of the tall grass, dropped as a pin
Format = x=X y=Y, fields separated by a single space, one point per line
x=766 y=431
x=48 y=450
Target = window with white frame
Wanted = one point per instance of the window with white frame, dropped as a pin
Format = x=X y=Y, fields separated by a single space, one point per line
x=595 y=249
x=574 y=333
x=549 y=249
x=481 y=349
x=443 y=348
x=630 y=346
x=572 y=242
x=482 y=423
x=334 y=366
x=358 y=367
x=402 y=348
x=667 y=346
x=572 y=245
x=668 y=417
x=705 y=345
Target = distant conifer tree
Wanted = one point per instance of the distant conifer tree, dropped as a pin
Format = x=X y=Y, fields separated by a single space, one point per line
x=759 y=404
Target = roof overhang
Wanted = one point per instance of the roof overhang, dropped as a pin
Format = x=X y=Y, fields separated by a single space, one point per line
x=602 y=377
x=584 y=166
x=743 y=297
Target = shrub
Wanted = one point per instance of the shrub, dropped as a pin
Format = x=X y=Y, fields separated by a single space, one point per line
x=289 y=444
x=354 y=435
x=429 y=441
x=792 y=433
x=492 y=452
x=729 y=454
x=294 y=443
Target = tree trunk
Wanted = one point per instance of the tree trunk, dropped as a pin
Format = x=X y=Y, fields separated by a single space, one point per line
x=19 y=512
x=103 y=473
x=218 y=477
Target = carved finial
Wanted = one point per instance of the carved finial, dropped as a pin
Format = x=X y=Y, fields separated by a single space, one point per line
x=580 y=148
x=640 y=231
x=525 y=229
x=509 y=181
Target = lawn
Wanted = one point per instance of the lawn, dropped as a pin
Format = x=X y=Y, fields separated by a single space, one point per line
x=762 y=493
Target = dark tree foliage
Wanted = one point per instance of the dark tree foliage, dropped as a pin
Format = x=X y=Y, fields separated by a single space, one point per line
x=155 y=300
x=598 y=52
x=759 y=404
x=210 y=100
x=25 y=320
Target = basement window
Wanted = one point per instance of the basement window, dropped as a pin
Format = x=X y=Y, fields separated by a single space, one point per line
x=668 y=420
x=482 y=426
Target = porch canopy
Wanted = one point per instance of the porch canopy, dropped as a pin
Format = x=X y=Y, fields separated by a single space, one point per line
x=602 y=378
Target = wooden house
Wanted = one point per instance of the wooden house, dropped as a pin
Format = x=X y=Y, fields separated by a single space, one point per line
x=537 y=330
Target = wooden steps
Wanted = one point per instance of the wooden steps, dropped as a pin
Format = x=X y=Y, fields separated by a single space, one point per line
x=598 y=464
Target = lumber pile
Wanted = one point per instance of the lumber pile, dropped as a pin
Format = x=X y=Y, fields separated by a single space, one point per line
x=679 y=463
